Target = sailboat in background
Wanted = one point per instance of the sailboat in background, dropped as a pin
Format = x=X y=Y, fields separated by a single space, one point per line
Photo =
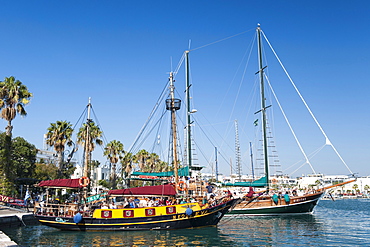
x=264 y=203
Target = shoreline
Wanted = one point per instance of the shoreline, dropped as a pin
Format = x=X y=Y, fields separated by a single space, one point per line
x=11 y=217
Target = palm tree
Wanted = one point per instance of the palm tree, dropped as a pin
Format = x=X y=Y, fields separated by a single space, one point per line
x=126 y=164
x=59 y=134
x=14 y=96
x=162 y=166
x=88 y=136
x=366 y=188
x=114 y=151
x=141 y=158
x=355 y=187
x=152 y=162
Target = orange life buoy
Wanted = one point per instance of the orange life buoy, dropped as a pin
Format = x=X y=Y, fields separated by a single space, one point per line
x=84 y=181
x=181 y=186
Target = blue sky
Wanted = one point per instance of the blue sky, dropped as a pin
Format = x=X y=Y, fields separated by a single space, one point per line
x=119 y=54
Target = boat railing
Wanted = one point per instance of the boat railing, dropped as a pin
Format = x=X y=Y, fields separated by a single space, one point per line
x=57 y=210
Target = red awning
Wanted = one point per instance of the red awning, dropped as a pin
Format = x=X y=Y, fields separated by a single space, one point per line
x=158 y=190
x=61 y=183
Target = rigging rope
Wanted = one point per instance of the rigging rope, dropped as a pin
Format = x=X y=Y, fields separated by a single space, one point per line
x=289 y=125
x=100 y=127
x=149 y=118
x=83 y=114
x=218 y=41
x=155 y=108
x=327 y=141
x=311 y=155
x=227 y=131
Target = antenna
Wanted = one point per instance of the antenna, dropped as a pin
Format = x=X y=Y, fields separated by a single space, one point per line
x=171 y=63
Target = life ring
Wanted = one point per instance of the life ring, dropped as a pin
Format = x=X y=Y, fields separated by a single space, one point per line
x=84 y=181
x=181 y=186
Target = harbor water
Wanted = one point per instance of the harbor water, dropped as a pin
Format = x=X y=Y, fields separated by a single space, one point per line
x=334 y=223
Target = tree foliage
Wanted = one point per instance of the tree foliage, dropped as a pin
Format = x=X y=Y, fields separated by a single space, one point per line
x=89 y=135
x=23 y=158
x=150 y=162
x=45 y=171
x=58 y=136
x=22 y=163
x=14 y=96
x=114 y=151
x=126 y=163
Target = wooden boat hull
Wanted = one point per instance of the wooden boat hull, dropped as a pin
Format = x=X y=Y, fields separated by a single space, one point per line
x=204 y=217
x=298 y=205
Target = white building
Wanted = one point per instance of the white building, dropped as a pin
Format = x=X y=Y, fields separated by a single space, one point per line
x=360 y=186
x=99 y=173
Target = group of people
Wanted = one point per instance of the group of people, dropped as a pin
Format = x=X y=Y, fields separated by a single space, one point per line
x=135 y=202
x=111 y=205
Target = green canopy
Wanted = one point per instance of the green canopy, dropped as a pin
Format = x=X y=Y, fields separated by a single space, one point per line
x=182 y=172
x=262 y=182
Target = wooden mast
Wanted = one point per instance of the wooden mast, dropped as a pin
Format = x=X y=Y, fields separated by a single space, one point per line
x=87 y=151
x=172 y=104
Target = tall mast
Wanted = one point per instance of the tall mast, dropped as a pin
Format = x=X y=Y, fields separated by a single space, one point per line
x=173 y=105
x=237 y=152
x=216 y=162
x=87 y=141
x=188 y=111
x=251 y=151
x=263 y=107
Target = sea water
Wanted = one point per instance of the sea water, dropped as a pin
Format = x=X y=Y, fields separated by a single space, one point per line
x=334 y=223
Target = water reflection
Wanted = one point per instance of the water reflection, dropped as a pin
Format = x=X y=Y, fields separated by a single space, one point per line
x=251 y=231
x=44 y=236
x=339 y=223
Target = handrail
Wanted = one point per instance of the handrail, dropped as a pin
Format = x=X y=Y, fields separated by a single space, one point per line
x=56 y=209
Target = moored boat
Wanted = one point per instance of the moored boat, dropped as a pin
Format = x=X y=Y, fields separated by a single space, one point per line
x=270 y=205
x=84 y=217
x=92 y=213
x=270 y=201
x=260 y=204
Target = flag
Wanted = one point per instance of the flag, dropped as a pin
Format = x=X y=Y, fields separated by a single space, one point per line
x=255 y=122
x=26 y=197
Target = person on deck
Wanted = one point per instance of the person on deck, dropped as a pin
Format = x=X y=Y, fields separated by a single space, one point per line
x=151 y=202
x=132 y=204
x=160 y=202
x=211 y=201
x=168 y=202
x=209 y=188
x=137 y=202
x=143 y=203
x=250 y=193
